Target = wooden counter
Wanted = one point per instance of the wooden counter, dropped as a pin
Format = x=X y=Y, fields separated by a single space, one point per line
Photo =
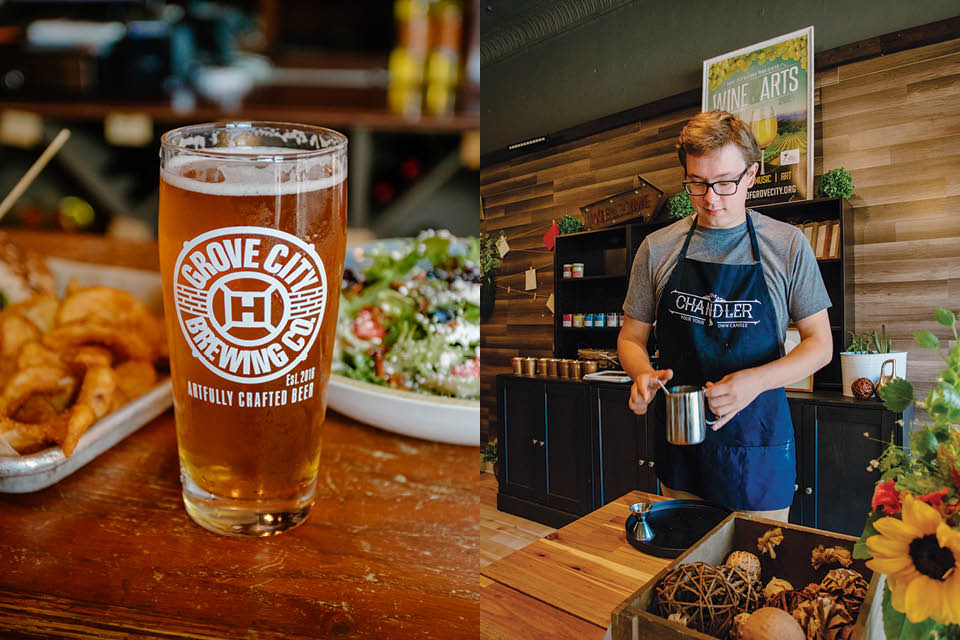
x=389 y=550
x=568 y=583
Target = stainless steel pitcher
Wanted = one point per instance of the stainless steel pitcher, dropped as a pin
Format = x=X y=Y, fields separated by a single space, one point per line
x=686 y=415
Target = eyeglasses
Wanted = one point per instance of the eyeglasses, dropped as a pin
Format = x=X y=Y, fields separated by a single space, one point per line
x=721 y=187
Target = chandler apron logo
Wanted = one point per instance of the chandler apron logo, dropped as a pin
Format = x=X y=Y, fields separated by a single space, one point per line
x=249 y=301
x=712 y=309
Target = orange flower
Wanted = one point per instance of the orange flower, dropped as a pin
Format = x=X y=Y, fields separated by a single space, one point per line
x=885 y=496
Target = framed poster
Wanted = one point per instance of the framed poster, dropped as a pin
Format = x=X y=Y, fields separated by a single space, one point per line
x=769 y=85
x=792 y=340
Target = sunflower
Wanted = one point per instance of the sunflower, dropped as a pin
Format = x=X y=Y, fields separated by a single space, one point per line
x=920 y=555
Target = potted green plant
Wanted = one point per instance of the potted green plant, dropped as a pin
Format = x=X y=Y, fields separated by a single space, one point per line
x=490 y=454
x=865 y=358
x=836 y=183
x=569 y=224
x=489 y=262
x=680 y=206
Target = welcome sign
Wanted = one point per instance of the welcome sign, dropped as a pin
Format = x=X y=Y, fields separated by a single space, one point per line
x=769 y=85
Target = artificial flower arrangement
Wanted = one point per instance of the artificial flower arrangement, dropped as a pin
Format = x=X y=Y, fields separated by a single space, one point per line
x=912 y=535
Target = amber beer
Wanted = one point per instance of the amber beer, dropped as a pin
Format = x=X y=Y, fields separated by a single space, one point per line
x=252 y=236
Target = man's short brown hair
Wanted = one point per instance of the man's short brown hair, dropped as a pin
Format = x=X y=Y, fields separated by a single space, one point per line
x=711 y=130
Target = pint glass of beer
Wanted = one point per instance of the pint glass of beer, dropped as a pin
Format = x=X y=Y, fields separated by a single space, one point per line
x=252 y=237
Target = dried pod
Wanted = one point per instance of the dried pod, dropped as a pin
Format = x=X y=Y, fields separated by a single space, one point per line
x=769 y=540
x=831 y=555
x=823 y=619
x=862 y=388
x=775 y=586
x=846 y=587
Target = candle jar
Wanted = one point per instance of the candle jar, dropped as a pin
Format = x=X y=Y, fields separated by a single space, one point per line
x=567 y=271
x=518 y=366
x=530 y=367
x=568 y=320
x=577 y=270
x=542 y=367
x=552 y=367
x=578 y=320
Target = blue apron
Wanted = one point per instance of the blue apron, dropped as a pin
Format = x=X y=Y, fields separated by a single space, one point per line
x=714 y=319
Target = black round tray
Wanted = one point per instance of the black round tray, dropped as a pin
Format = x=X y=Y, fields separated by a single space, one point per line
x=676 y=525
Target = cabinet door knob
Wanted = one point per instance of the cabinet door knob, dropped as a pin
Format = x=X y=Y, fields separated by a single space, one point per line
x=541 y=443
x=808 y=491
x=534 y=441
x=650 y=463
x=641 y=462
x=796 y=488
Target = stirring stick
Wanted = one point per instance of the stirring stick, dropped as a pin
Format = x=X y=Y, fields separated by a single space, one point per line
x=665 y=390
x=33 y=171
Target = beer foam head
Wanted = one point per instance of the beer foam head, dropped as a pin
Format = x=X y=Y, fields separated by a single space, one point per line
x=254 y=171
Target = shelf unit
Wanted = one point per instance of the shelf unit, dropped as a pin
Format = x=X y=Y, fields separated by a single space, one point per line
x=607 y=256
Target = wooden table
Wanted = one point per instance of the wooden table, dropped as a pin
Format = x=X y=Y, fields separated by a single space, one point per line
x=389 y=550
x=567 y=584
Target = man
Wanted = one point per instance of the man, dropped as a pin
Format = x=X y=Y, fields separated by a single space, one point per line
x=722 y=286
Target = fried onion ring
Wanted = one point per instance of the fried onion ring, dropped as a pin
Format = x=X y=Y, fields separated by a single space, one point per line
x=125 y=344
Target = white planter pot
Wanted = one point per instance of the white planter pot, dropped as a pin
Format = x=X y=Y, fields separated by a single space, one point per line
x=867 y=365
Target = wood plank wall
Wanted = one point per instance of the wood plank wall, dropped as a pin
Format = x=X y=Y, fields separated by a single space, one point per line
x=892 y=121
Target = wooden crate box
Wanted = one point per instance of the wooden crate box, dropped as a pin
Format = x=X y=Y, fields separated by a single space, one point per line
x=634 y=619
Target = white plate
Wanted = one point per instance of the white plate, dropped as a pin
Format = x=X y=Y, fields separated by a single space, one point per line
x=420 y=415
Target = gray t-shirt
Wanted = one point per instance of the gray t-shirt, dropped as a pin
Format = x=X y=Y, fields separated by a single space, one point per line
x=789 y=266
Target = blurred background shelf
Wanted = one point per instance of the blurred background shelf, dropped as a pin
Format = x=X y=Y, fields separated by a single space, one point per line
x=119 y=73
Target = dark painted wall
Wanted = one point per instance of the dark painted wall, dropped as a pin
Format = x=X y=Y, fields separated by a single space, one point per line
x=652 y=49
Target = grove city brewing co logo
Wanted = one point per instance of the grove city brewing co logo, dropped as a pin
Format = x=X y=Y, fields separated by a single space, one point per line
x=250 y=301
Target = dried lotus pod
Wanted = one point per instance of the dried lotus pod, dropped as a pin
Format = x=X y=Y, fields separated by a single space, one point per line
x=746 y=561
x=847 y=587
x=831 y=555
x=862 y=388
x=823 y=619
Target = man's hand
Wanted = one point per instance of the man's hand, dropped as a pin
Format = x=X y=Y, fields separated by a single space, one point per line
x=732 y=393
x=645 y=387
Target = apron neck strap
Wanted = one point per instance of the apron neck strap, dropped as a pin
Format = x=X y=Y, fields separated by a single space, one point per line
x=750 y=229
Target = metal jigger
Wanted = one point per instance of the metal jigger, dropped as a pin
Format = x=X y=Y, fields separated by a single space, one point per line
x=640 y=510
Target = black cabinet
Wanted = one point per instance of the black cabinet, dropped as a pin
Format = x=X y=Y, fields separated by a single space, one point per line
x=546 y=449
x=567 y=444
x=568 y=448
x=837 y=437
x=523 y=455
x=624 y=445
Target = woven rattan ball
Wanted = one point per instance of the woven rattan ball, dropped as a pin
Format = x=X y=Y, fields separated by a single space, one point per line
x=748 y=590
x=862 y=388
x=702 y=593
